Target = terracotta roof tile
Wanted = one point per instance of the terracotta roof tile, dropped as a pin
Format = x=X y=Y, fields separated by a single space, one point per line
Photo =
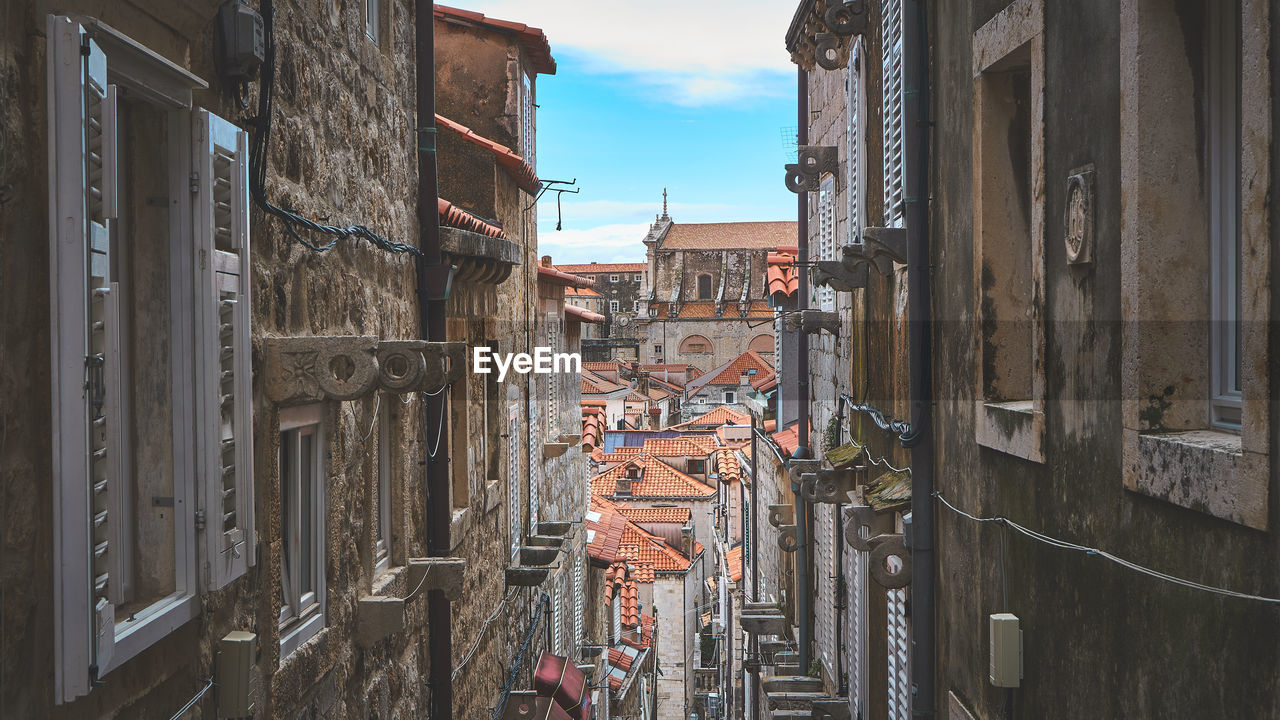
x=685 y=446
x=606 y=268
x=573 y=312
x=657 y=514
x=782 y=277
x=728 y=466
x=515 y=166
x=579 y=292
x=734 y=560
x=553 y=276
x=789 y=439
x=759 y=309
x=453 y=216
x=657 y=479
x=731 y=372
x=720 y=416
x=592 y=427
x=716 y=236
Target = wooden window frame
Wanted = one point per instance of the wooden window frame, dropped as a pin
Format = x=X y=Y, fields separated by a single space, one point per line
x=302 y=614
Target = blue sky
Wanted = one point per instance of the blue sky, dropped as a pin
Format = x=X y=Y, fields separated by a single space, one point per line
x=691 y=96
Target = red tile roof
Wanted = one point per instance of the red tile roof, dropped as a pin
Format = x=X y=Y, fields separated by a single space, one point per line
x=731 y=372
x=532 y=39
x=606 y=268
x=685 y=446
x=734 y=559
x=759 y=309
x=657 y=480
x=720 y=416
x=706 y=309
x=516 y=167
x=453 y=216
x=770 y=425
x=553 y=276
x=608 y=534
x=579 y=292
x=717 y=236
x=728 y=466
x=593 y=384
x=642 y=548
x=573 y=312
x=789 y=439
x=656 y=514
x=593 y=422
x=782 y=276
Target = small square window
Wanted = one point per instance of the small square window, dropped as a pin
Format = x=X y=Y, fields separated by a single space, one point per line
x=730 y=397
x=635 y=305
x=613 y=306
x=613 y=278
x=639 y=277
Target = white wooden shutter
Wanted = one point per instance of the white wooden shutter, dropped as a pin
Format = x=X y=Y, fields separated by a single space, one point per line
x=891 y=72
x=553 y=379
x=557 y=620
x=527 y=148
x=579 y=598
x=224 y=413
x=88 y=449
x=513 y=478
x=899 y=656
x=535 y=464
x=856 y=140
x=855 y=572
x=825 y=296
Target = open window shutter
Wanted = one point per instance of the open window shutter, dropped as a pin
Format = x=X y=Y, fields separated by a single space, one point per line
x=898 y=647
x=579 y=594
x=513 y=479
x=891 y=70
x=88 y=452
x=224 y=429
x=535 y=466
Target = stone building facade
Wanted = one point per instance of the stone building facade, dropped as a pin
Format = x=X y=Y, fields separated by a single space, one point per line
x=1085 y=316
x=219 y=429
x=708 y=302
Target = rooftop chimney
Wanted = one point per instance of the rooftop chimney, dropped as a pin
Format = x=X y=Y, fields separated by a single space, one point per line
x=546 y=261
x=686 y=540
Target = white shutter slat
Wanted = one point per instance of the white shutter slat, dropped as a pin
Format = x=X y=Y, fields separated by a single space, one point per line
x=513 y=478
x=224 y=380
x=891 y=31
x=84 y=350
x=579 y=596
x=535 y=465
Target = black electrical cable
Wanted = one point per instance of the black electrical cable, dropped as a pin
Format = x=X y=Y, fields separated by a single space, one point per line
x=294 y=224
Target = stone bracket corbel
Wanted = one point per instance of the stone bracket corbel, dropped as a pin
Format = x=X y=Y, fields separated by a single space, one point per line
x=888 y=574
x=788 y=538
x=880 y=247
x=847 y=18
x=780 y=515
x=435 y=573
x=834 y=709
x=835 y=275
x=308 y=369
x=813 y=162
x=799 y=468
x=830 y=486
x=810 y=322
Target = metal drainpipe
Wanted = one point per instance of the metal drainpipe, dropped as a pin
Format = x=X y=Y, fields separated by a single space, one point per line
x=755 y=566
x=803 y=571
x=916 y=123
x=432 y=314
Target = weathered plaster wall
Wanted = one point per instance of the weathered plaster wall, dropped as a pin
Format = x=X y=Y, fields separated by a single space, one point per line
x=1144 y=648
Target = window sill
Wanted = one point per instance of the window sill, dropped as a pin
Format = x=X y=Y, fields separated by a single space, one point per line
x=1015 y=428
x=294 y=637
x=1203 y=470
x=458 y=527
x=152 y=624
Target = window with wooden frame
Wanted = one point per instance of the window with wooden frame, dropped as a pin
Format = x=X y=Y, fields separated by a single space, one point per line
x=528 y=124
x=1195 y=253
x=149 y=345
x=730 y=397
x=891 y=97
x=613 y=278
x=302 y=526
x=1008 y=230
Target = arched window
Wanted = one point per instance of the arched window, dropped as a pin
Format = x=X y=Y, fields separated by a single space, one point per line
x=762 y=344
x=704 y=287
x=696 y=344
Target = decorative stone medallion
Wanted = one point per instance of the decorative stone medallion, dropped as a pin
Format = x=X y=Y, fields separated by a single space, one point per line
x=1080 y=216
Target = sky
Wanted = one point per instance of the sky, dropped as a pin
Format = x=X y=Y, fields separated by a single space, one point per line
x=695 y=96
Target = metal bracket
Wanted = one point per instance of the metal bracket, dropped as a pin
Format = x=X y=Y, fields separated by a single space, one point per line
x=835 y=275
x=880 y=246
x=810 y=322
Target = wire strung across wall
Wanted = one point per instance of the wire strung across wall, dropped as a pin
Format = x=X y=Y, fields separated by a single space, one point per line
x=543 y=602
x=480 y=635
x=294 y=224
x=901 y=428
x=1065 y=545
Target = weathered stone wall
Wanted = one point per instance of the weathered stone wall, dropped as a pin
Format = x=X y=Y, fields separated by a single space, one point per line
x=342 y=149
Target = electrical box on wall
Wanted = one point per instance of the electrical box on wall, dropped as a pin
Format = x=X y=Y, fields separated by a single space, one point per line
x=1006 y=650
x=234 y=674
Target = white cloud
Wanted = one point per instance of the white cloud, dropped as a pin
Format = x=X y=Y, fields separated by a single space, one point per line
x=604 y=243
x=635 y=211
x=689 y=53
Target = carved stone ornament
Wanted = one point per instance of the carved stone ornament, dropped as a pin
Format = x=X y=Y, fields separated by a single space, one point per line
x=301 y=370
x=1080 y=216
